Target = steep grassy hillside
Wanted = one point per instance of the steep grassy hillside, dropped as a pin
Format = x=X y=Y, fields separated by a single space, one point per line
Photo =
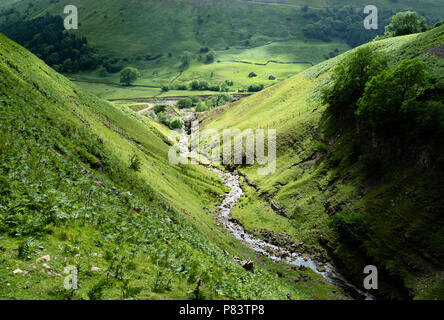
x=335 y=199
x=68 y=197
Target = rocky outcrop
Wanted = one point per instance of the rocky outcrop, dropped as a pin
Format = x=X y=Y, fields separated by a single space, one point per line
x=278 y=209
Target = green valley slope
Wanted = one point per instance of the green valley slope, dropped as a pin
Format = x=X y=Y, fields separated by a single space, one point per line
x=394 y=221
x=69 y=198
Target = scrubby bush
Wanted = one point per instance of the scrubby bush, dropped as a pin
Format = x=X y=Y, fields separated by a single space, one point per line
x=184 y=103
x=135 y=162
x=202 y=107
x=218 y=100
x=151 y=114
x=214 y=87
x=176 y=123
x=195 y=100
x=160 y=108
x=255 y=87
x=182 y=87
x=209 y=58
x=164 y=118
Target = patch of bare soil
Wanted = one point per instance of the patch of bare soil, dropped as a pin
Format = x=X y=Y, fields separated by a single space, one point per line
x=437 y=51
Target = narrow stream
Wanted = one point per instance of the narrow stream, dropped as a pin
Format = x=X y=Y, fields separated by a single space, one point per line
x=269 y=250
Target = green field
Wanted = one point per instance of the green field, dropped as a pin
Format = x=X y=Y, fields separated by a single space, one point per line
x=225 y=68
x=250 y=31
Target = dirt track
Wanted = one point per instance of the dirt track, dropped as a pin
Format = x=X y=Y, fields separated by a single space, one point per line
x=143 y=111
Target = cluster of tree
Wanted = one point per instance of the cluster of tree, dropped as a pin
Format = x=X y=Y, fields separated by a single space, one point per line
x=46 y=37
x=205 y=86
x=401 y=104
x=201 y=85
x=201 y=106
x=218 y=100
x=185 y=103
x=160 y=115
x=344 y=23
x=404 y=23
x=213 y=102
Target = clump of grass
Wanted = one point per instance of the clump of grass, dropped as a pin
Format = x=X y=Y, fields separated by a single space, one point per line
x=25 y=248
x=162 y=282
x=135 y=163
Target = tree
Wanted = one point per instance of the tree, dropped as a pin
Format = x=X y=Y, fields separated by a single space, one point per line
x=129 y=75
x=176 y=123
x=196 y=100
x=349 y=79
x=389 y=101
x=209 y=58
x=406 y=22
x=201 y=107
x=184 y=103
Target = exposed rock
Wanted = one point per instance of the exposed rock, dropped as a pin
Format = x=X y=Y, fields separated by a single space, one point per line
x=95 y=269
x=321 y=268
x=99 y=183
x=129 y=194
x=19 y=271
x=332 y=209
x=436 y=51
x=46 y=258
x=234 y=220
x=278 y=209
x=248 y=265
